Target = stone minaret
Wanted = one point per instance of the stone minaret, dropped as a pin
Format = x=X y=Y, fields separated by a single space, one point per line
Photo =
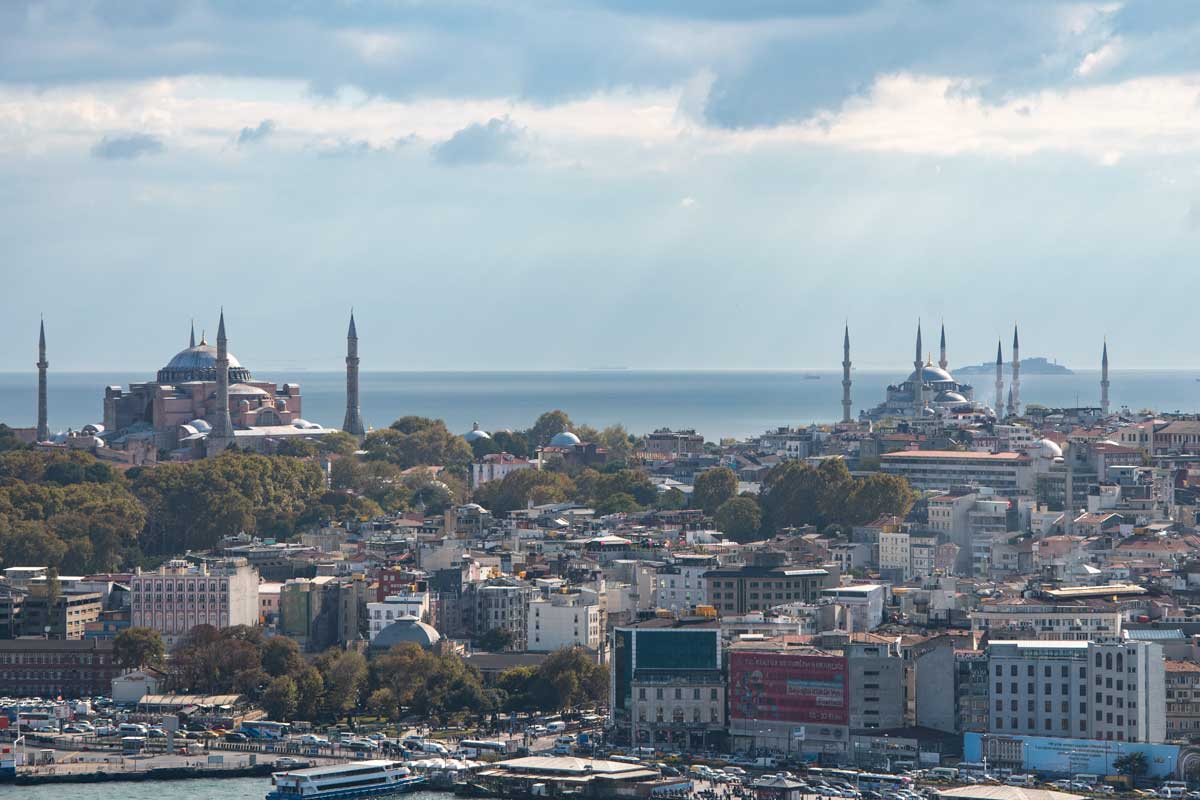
x=221 y=435
x=1104 y=380
x=1014 y=407
x=352 y=424
x=846 y=376
x=43 y=429
x=942 y=362
x=919 y=369
x=999 y=381
x=192 y=338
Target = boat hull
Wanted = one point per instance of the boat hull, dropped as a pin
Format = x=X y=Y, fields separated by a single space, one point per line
x=399 y=787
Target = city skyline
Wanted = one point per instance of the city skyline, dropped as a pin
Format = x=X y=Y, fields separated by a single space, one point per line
x=1027 y=162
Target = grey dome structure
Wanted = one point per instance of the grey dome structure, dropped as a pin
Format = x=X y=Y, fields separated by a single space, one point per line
x=564 y=439
x=199 y=363
x=476 y=433
x=406 y=630
x=932 y=374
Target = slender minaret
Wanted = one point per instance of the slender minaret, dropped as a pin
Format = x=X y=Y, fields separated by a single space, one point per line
x=352 y=424
x=1104 y=380
x=221 y=435
x=43 y=429
x=1014 y=407
x=192 y=339
x=999 y=381
x=1010 y=402
x=919 y=370
x=846 y=375
x=942 y=362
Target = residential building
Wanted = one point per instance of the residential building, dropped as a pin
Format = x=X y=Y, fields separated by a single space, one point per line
x=877 y=684
x=180 y=596
x=1058 y=620
x=503 y=605
x=1079 y=689
x=1182 y=680
x=736 y=590
x=409 y=604
x=563 y=620
x=66 y=616
x=666 y=443
x=496 y=467
x=895 y=562
x=679 y=586
x=863 y=602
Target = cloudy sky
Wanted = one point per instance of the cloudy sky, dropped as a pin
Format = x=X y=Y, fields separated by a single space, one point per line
x=681 y=183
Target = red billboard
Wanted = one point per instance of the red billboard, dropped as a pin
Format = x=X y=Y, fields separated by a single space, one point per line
x=789 y=687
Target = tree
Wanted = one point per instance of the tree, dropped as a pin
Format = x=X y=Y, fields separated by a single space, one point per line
x=671 y=500
x=382 y=703
x=713 y=487
x=513 y=443
x=546 y=427
x=281 y=698
x=496 y=639
x=518 y=489
x=617 y=441
x=297 y=447
x=138 y=647
x=345 y=675
x=338 y=442
x=740 y=518
x=1132 y=764
x=878 y=495
x=281 y=656
x=417 y=441
x=310 y=689
x=618 y=503
x=9 y=440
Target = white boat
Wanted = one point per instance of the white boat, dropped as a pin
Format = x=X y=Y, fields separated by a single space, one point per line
x=357 y=779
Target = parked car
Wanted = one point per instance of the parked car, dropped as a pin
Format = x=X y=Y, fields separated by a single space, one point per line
x=235 y=736
x=313 y=739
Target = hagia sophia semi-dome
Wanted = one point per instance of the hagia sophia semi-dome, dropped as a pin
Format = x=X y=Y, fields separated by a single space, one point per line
x=199 y=363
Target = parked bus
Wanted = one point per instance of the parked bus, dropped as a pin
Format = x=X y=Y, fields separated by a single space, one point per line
x=474 y=748
x=265 y=729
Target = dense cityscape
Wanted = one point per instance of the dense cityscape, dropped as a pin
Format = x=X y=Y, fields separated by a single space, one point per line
x=934 y=592
x=599 y=400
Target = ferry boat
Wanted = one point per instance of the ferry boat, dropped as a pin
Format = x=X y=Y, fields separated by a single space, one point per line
x=358 y=779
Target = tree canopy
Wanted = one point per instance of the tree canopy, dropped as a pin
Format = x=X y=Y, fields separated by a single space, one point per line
x=713 y=487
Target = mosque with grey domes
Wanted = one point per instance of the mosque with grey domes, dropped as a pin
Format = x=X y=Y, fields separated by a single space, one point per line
x=204 y=401
x=931 y=391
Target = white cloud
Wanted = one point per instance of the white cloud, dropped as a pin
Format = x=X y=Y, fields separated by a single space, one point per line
x=1102 y=59
x=687 y=202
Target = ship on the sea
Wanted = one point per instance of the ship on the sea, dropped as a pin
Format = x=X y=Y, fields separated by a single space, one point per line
x=376 y=778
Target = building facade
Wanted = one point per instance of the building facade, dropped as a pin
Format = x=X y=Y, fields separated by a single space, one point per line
x=563 y=620
x=180 y=596
x=38 y=667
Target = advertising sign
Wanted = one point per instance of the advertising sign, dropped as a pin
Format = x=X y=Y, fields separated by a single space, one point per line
x=1062 y=756
x=788 y=687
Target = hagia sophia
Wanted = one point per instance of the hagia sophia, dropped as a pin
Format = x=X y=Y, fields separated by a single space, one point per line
x=202 y=402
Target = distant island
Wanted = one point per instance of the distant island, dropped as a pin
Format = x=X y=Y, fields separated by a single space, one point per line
x=1029 y=366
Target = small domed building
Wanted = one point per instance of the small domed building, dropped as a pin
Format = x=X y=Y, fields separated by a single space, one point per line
x=406 y=630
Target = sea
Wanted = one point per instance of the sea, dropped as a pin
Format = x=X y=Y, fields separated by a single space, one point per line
x=191 y=789
x=716 y=404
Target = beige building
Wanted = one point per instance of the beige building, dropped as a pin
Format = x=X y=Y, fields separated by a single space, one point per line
x=563 y=620
x=1026 y=618
x=1182 y=679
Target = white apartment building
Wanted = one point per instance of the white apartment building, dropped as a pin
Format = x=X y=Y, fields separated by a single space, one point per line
x=393 y=607
x=497 y=466
x=1078 y=689
x=563 y=620
x=863 y=602
x=1028 y=618
x=895 y=562
x=679 y=586
x=180 y=596
x=942 y=469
